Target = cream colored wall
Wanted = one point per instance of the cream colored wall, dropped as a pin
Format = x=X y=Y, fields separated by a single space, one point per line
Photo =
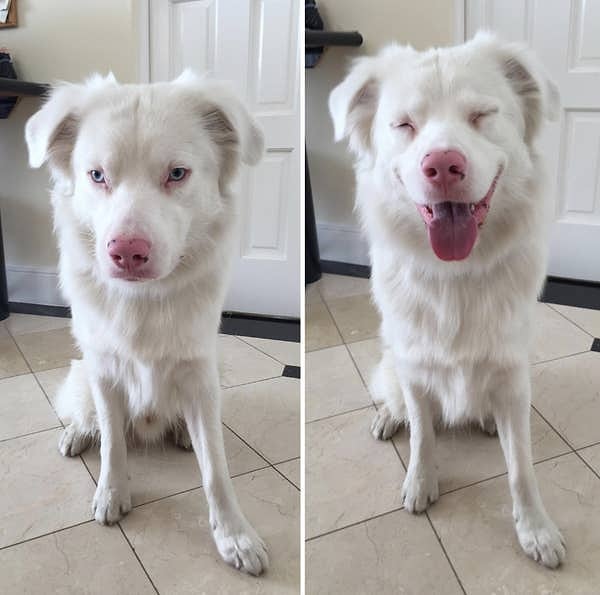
x=422 y=23
x=55 y=40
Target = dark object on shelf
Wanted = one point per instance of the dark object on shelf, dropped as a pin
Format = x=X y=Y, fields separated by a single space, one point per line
x=312 y=259
x=312 y=21
x=7 y=71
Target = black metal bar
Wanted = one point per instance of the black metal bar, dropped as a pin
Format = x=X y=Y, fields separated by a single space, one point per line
x=317 y=39
x=12 y=87
x=3 y=287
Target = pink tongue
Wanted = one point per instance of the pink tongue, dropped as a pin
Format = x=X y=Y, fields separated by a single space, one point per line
x=452 y=231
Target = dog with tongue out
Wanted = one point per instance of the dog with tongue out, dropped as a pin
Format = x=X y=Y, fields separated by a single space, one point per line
x=449 y=194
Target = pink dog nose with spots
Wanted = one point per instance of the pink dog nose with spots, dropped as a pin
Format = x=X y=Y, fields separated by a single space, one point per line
x=129 y=253
x=444 y=168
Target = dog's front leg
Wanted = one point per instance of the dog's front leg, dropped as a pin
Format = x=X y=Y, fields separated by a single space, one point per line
x=236 y=540
x=421 y=483
x=112 y=499
x=538 y=535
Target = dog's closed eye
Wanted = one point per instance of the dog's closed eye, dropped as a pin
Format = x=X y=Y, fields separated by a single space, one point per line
x=478 y=116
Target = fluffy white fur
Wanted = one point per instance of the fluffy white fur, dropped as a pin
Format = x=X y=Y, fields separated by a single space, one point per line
x=455 y=334
x=149 y=346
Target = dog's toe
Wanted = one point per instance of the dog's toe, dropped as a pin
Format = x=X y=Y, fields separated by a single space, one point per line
x=419 y=491
x=73 y=442
x=242 y=548
x=542 y=541
x=110 y=504
x=384 y=426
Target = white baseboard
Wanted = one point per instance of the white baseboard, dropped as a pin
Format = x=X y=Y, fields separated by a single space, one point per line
x=342 y=243
x=34 y=285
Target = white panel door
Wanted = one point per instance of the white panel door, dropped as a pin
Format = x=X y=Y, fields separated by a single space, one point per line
x=566 y=36
x=255 y=45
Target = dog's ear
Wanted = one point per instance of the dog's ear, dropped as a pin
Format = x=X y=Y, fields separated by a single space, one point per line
x=226 y=118
x=51 y=132
x=353 y=104
x=538 y=95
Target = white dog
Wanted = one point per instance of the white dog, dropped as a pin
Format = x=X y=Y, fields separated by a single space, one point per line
x=449 y=195
x=144 y=214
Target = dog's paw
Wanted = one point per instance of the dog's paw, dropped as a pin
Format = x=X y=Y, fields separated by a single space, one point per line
x=240 y=546
x=181 y=437
x=73 y=442
x=420 y=489
x=541 y=540
x=489 y=426
x=384 y=426
x=110 y=504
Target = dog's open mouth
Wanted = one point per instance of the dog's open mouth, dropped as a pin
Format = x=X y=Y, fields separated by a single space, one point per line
x=453 y=226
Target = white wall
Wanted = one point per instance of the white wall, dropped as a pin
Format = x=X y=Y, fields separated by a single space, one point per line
x=55 y=40
x=421 y=23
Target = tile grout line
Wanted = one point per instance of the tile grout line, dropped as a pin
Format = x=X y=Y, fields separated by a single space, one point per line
x=442 y=494
x=270 y=464
x=312 y=421
x=439 y=539
x=555 y=359
x=261 y=351
x=137 y=557
x=17 y=543
x=568 y=319
x=31 y=433
x=563 y=438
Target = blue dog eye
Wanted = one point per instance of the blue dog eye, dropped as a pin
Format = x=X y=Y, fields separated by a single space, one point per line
x=177 y=174
x=97 y=176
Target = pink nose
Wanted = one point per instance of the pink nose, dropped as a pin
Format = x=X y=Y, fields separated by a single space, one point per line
x=444 y=168
x=129 y=253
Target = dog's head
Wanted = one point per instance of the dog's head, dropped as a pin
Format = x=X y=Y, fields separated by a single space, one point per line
x=142 y=171
x=447 y=131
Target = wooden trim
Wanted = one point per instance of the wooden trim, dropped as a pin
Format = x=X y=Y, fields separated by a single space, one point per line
x=12 y=20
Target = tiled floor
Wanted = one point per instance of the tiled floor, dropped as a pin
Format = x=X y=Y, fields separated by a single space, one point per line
x=359 y=540
x=48 y=540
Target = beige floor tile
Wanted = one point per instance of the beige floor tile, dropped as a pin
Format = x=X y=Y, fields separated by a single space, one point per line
x=321 y=331
x=567 y=393
x=267 y=416
x=592 y=457
x=48 y=349
x=333 y=384
x=159 y=471
x=350 y=476
x=240 y=363
x=356 y=317
x=173 y=540
x=477 y=530
x=366 y=355
x=50 y=381
x=337 y=286
x=86 y=559
x=312 y=295
x=396 y=553
x=41 y=490
x=291 y=469
x=11 y=360
x=24 y=407
x=587 y=319
x=286 y=352
x=555 y=337
x=21 y=324
x=464 y=457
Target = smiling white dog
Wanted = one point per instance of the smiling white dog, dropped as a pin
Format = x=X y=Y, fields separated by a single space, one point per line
x=145 y=219
x=449 y=192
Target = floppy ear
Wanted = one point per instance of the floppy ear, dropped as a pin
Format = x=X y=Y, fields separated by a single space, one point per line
x=226 y=118
x=353 y=104
x=538 y=95
x=51 y=132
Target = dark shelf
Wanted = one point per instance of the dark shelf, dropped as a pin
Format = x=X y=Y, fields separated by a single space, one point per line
x=317 y=39
x=14 y=88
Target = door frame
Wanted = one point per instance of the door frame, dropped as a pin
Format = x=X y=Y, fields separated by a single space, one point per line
x=142 y=20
